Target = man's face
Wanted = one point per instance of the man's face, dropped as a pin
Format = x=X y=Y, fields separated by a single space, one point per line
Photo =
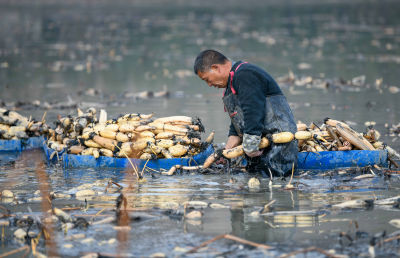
x=214 y=77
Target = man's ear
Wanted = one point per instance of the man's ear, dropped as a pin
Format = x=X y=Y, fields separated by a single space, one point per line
x=215 y=67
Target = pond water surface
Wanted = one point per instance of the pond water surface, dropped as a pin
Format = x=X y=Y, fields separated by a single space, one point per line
x=56 y=53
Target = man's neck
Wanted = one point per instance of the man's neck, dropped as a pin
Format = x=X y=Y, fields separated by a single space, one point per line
x=227 y=67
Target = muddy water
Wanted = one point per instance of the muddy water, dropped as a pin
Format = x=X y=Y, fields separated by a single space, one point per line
x=55 y=53
x=152 y=230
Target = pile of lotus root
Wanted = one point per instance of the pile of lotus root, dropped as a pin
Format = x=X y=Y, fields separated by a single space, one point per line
x=335 y=135
x=14 y=126
x=128 y=136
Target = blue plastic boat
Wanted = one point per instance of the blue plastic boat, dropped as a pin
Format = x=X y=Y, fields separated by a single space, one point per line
x=20 y=145
x=10 y=145
x=80 y=161
x=88 y=161
x=324 y=160
x=327 y=160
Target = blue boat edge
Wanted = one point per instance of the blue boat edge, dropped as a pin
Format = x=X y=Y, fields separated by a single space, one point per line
x=33 y=143
x=325 y=160
x=10 y=145
x=88 y=161
x=329 y=160
x=51 y=155
x=20 y=145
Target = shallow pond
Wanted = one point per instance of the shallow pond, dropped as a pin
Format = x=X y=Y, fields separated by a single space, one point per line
x=81 y=54
x=227 y=204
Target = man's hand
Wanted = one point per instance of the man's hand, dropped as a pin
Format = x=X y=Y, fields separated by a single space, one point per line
x=232 y=142
x=254 y=153
x=250 y=145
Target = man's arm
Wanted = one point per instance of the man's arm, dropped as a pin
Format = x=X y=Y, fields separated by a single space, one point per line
x=233 y=141
x=232 y=130
x=252 y=102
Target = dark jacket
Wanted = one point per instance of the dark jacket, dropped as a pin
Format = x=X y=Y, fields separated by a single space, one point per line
x=252 y=85
x=257 y=106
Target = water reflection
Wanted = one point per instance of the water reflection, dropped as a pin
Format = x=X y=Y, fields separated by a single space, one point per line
x=236 y=216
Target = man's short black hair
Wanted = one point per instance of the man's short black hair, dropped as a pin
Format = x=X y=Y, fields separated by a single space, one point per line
x=206 y=59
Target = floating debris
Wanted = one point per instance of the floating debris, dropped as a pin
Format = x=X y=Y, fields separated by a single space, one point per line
x=104 y=221
x=255 y=214
x=88 y=241
x=365 y=176
x=195 y=204
x=183 y=73
x=254 y=183
x=359 y=203
x=218 y=206
x=20 y=234
x=37 y=104
x=394 y=130
x=195 y=215
x=7 y=194
x=60 y=195
x=169 y=205
x=394 y=89
x=358 y=81
x=352 y=85
x=395 y=222
x=388 y=201
x=62 y=214
x=304 y=66
x=83 y=193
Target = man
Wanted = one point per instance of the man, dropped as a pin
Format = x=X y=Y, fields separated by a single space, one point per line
x=257 y=108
